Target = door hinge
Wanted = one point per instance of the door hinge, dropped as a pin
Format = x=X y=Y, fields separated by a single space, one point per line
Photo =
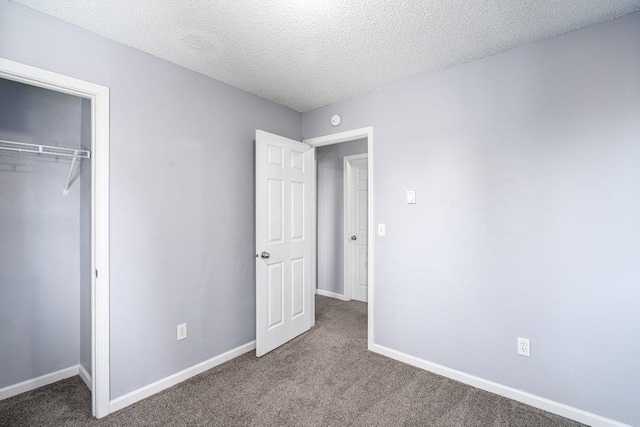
x=96 y=273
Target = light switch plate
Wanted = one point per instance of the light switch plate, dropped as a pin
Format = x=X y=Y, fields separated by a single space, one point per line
x=411 y=197
x=382 y=230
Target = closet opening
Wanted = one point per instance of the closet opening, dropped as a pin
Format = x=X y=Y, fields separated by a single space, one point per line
x=54 y=228
x=45 y=224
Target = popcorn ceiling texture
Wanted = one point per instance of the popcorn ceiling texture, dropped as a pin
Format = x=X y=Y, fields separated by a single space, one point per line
x=306 y=53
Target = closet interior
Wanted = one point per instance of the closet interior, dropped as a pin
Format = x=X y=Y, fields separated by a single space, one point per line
x=45 y=229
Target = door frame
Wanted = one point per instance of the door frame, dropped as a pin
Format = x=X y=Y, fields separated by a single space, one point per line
x=347 y=196
x=99 y=97
x=337 y=138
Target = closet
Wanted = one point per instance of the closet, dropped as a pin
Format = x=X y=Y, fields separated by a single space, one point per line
x=45 y=236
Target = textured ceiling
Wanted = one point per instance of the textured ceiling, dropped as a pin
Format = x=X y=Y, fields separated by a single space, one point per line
x=309 y=53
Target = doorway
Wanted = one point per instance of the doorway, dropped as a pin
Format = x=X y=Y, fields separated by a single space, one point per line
x=341 y=183
x=286 y=235
x=339 y=138
x=96 y=99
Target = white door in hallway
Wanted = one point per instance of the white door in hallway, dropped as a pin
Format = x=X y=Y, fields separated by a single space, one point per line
x=357 y=197
x=284 y=300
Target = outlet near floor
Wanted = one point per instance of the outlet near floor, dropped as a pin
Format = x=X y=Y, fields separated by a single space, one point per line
x=524 y=347
x=182 y=331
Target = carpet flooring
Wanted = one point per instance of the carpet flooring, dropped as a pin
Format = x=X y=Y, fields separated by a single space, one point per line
x=325 y=377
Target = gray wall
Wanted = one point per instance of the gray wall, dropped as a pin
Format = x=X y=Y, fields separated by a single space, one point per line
x=330 y=206
x=182 y=202
x=39 y=229
x=526 y=166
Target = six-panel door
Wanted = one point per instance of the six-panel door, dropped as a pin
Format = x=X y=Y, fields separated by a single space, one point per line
x=358 y=251
x=284 y=173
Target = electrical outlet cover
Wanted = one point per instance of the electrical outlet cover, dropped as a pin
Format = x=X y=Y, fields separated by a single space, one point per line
x=182 y=331
x=524 y=347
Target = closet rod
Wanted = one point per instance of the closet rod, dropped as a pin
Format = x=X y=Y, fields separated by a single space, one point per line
x=23 y=147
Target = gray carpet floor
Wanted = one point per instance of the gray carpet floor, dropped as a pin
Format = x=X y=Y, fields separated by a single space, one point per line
x=325 y=377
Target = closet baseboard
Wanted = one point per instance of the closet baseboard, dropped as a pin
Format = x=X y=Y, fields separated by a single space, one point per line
x=85 y=377
x=16 y=389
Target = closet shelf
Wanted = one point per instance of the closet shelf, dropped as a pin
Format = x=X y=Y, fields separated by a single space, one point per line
x=48 y=150
x=23 y=147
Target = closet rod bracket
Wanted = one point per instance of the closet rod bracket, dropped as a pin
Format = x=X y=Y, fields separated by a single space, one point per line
x=73 y=162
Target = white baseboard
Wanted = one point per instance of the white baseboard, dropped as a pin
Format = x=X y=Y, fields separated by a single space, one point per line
x=503 y=390
x=14 y=390
x=85 y=377
x=171 y=380
x=331 y=294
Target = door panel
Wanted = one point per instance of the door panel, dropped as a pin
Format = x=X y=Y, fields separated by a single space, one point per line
x=361 y=210
x=362 y=268
x=297 y=287
x=275 y=157
x=358 y=226
x=284 y=174
x=275 y=210
x=297 y=160
x=297 y=211
x=275 y=294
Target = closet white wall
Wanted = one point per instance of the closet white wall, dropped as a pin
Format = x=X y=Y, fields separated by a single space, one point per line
x=45 y=249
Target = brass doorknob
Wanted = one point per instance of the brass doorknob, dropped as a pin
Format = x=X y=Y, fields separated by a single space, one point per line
x=354 y=238
x=265 y=255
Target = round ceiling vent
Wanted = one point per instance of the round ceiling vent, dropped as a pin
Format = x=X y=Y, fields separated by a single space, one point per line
x=336 y=120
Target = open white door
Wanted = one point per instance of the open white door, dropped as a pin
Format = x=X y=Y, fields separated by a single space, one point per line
x=356 y=203
x=284 y=178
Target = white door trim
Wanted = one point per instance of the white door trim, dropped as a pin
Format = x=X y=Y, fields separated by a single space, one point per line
x=99 y=96
x=336 y=138
x=347 y=194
